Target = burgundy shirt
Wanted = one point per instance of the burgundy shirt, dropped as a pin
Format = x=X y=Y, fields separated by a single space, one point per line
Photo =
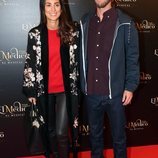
x=100 y=39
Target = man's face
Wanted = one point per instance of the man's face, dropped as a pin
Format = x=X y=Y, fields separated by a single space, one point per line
x=101 y=3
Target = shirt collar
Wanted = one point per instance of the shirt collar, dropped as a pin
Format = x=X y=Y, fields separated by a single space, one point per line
x=108 y=13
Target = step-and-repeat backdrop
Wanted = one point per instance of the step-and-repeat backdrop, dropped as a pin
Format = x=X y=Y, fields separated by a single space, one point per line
x=17 y=17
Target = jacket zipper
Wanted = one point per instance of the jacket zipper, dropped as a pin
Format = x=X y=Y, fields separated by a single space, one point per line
x=83 y=58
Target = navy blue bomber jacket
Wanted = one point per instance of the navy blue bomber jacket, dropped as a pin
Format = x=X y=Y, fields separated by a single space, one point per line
x=123 y=63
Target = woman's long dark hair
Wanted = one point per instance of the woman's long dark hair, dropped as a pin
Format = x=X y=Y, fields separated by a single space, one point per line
x=66 y=27
x=113 y=2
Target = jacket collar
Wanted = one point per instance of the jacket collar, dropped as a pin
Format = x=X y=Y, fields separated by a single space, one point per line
x=122 y=17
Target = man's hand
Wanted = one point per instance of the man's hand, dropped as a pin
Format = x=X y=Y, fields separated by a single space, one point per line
x=127 y=97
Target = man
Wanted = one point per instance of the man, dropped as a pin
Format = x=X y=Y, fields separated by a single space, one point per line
x=109 y=72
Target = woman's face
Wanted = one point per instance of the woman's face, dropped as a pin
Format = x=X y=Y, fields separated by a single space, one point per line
x=52 y=10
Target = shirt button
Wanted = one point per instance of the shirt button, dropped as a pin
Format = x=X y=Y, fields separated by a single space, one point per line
x=96 y=68
x=97 y=57
x=98 y=21
x=98 y=33
x=97 y=45
x=96 y=80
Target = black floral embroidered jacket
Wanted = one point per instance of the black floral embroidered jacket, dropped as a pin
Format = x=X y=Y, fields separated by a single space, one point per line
x=35 y=83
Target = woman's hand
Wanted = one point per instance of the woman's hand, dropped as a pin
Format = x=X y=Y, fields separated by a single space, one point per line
x=32 y=100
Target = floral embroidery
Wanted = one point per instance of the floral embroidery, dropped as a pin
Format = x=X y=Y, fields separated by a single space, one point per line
x=39 y=79
x=29 y=77
x=39 y=76
x=27 y=56
x=73 y=66
x=75 y=122
x=37 y=47
x=37 y=122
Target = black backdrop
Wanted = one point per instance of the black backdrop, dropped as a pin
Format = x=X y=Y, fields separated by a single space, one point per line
x=17 y=17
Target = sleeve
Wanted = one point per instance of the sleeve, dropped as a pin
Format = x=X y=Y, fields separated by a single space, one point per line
x=74 y=80
x=29 y=69
x=74 y=62
x=77 y=57
x=132 y=58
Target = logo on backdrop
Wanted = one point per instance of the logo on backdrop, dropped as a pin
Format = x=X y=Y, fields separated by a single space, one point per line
x=8 y=3
x=3 y=2
x=84 y=130
x=139 y=124
x=13 y=56
x=1 y=135
x=154 y=101
x=156 y=52
x=146 y=26
x=145 y=78
x=28 y=27
x=17 y=109
x=126 y=3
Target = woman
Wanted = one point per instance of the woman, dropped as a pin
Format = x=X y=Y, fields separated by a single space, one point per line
x=51 y=75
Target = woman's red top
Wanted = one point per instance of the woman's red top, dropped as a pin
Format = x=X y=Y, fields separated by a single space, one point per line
x=55 y=77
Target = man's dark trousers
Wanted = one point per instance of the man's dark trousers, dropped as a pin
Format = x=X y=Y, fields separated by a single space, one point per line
x=96 y=107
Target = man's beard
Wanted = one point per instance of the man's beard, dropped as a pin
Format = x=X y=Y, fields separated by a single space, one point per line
x=102 y=5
